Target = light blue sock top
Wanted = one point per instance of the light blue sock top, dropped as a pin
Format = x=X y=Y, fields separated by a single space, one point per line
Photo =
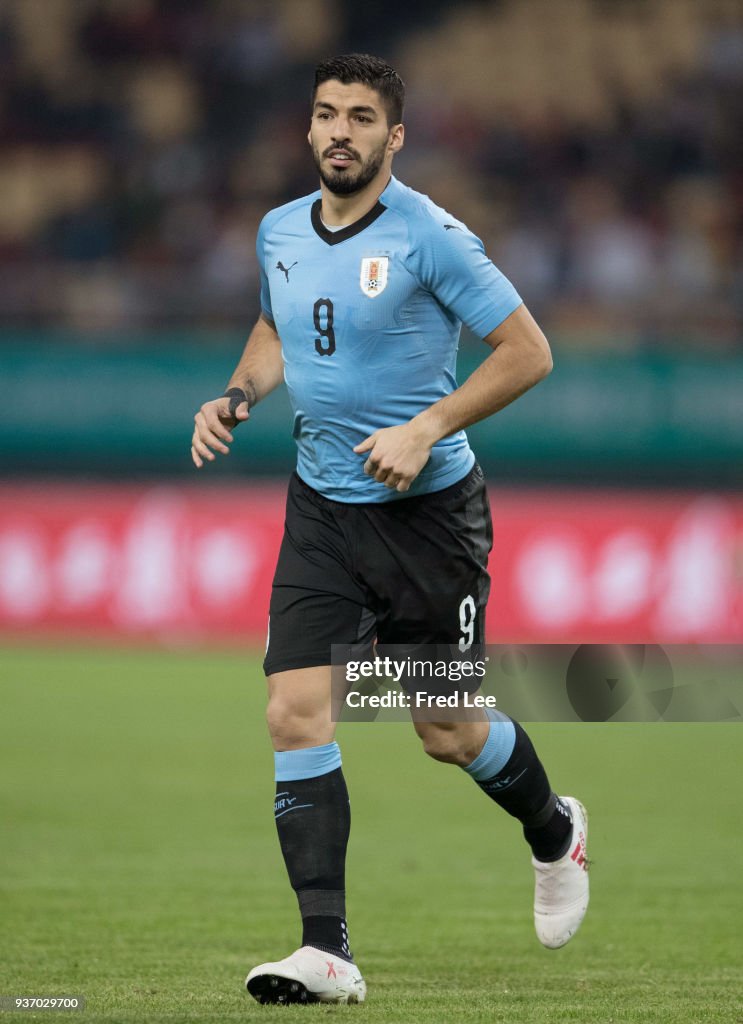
x=308 y=763
x=498 y=748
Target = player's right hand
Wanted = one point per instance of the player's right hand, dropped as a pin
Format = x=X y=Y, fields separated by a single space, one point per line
x=212 y=425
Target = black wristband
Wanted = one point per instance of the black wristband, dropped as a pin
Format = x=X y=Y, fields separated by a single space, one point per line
x=236 y=396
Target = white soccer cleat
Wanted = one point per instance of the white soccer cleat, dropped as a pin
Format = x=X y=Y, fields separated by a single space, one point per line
x=561 y=890
x=307 y=976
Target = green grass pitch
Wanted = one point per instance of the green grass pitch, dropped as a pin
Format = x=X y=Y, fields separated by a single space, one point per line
x=140 y=866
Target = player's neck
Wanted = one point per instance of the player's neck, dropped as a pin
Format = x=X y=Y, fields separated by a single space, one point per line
x=339 y=211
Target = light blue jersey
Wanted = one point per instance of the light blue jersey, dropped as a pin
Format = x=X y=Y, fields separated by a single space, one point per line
x=369 y=319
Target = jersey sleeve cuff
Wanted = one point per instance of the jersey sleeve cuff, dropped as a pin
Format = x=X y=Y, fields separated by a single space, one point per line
x=487 y=325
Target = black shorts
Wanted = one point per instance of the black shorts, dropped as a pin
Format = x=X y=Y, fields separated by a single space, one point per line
x=410 y=571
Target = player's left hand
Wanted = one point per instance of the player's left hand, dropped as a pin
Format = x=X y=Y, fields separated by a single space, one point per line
x=396 y=454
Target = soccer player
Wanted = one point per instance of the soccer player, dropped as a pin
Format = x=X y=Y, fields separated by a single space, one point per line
x=364 y=287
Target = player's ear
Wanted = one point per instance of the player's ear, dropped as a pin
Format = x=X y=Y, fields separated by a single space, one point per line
x=309 y=136
x=397 y=138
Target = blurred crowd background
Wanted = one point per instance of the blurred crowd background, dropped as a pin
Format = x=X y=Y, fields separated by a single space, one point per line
x=595 y=145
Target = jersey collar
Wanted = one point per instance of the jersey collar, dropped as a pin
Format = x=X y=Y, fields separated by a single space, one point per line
x=334 y=237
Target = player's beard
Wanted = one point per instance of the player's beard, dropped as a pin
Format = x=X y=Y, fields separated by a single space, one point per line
x=346 y=181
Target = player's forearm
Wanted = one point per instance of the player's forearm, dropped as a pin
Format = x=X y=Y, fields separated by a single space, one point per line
x=520 y=360
x=261 y=367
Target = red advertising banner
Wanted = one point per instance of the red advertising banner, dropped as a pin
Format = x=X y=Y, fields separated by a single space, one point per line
x=613 y=567
x=189 y=565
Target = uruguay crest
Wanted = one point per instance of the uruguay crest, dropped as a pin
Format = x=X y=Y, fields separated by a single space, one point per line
x=373 y=278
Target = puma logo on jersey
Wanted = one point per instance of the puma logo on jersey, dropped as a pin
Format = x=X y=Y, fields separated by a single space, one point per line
x=280 y=266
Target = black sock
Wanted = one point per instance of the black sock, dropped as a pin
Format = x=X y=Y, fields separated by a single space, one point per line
x=551 y=840
x=313 y=819
x=326 y=933
x=521 y=787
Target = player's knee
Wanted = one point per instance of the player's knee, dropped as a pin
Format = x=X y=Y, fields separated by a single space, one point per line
x=285 y=725
x=443 y=745
x=293 y=725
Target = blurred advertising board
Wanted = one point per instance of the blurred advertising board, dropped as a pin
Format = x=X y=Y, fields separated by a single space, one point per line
x=126 y=407
x=177 y=564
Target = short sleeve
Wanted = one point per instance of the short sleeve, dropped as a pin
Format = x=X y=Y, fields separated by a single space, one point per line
x=265 y=290
x=451 y=263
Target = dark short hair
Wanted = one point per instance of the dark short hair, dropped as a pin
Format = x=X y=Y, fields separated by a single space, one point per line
x=368 y=70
